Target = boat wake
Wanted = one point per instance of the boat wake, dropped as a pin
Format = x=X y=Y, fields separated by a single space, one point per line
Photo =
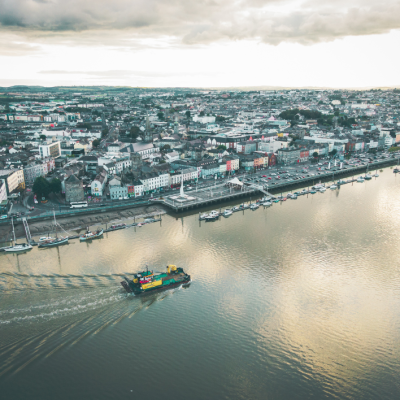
x=10 y=281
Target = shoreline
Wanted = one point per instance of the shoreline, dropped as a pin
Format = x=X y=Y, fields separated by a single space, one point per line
x=80 y=223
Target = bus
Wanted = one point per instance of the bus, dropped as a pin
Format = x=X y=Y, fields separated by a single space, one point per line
x=77 y=204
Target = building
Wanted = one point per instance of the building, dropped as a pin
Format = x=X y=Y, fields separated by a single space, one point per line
x=98 y=184
x=288 y=156
x=3 y=191
x=14 y=179
x=117 y=190
x=188 y=174
x=143 y=149
x=50 y=150
x=73 y=189
x=246 y=147
x=37 y=169
x=209 y=171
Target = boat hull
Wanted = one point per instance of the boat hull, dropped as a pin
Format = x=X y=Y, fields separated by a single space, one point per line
x=129 y=289
x=53 y=244
x=18 y=250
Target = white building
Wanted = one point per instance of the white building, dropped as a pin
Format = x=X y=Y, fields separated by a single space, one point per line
x=204 y=119
x=14 y=178
x=188 y=174
x=50 y=150
x=3 y=190
x=98 y=184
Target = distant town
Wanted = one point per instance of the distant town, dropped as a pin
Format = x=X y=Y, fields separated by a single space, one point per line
x=96 y=145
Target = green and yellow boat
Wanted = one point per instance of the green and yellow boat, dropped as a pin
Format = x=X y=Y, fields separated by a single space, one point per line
x=149 y=281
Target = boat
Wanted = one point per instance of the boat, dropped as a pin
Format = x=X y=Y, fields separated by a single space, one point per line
x=333 y=187
x=45 y=238
x=236 y=209
x=92 y=235
x=53 y=242
x=312 y=191
x=294 y=197
x=368 y=177
x=214 y=215
x=227 y=212
x=376 y=176
x=360 y=179
x=245 y=206
x=276 y=201
x=266 y=198
x=396 y=170
x=17 y=248
x=254 y=206
x=266 y=204
x=341 y=182
x=322 y=189
x=203 y=216
x=117 y=226
x=289 y=195
x=148 y=281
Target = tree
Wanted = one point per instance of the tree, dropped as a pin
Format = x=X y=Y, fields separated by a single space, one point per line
x=104 y=132
x=55 y=185
x=333 y=152
x=187 y=114
x=201 y=113
x=221 y=147
x=315 y=154
x=160 y=115
x=134 y=132
x=96 y=143
x=42 y=137
x=41 y=187
x=166 y=147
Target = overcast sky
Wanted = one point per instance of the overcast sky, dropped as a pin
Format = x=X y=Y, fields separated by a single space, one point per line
x=202 y=43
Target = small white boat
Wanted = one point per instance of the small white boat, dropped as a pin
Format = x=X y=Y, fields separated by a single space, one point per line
x=333 y=187
x=227 y=212
x=18 y=248
x=368 y=177
x=254 y=206
x=45 y=239
x=360 y=179
x=203 y=216
x=267 y=204
x=236 y=208
x=245 y=206
x=376 y=175
x=289 y=195
x=294 y=197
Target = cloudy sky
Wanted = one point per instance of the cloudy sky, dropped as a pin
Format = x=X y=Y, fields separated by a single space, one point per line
x=212 y=43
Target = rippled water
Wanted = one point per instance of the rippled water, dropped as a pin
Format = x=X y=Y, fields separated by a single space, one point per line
x=298 y=301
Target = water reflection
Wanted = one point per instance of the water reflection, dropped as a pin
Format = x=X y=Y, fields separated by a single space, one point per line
x=298 y=300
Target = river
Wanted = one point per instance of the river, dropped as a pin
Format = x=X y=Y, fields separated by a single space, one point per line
x=297 y=301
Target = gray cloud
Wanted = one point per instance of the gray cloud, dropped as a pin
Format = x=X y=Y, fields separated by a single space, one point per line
x=199 y=22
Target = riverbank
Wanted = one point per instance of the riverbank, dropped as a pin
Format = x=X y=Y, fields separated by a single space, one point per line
x=75 y=224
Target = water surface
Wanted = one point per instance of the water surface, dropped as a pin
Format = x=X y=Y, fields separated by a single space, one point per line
x=298 y=301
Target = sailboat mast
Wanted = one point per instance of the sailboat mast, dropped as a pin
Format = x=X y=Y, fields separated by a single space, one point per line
x=12 y=223
x=55 y=223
